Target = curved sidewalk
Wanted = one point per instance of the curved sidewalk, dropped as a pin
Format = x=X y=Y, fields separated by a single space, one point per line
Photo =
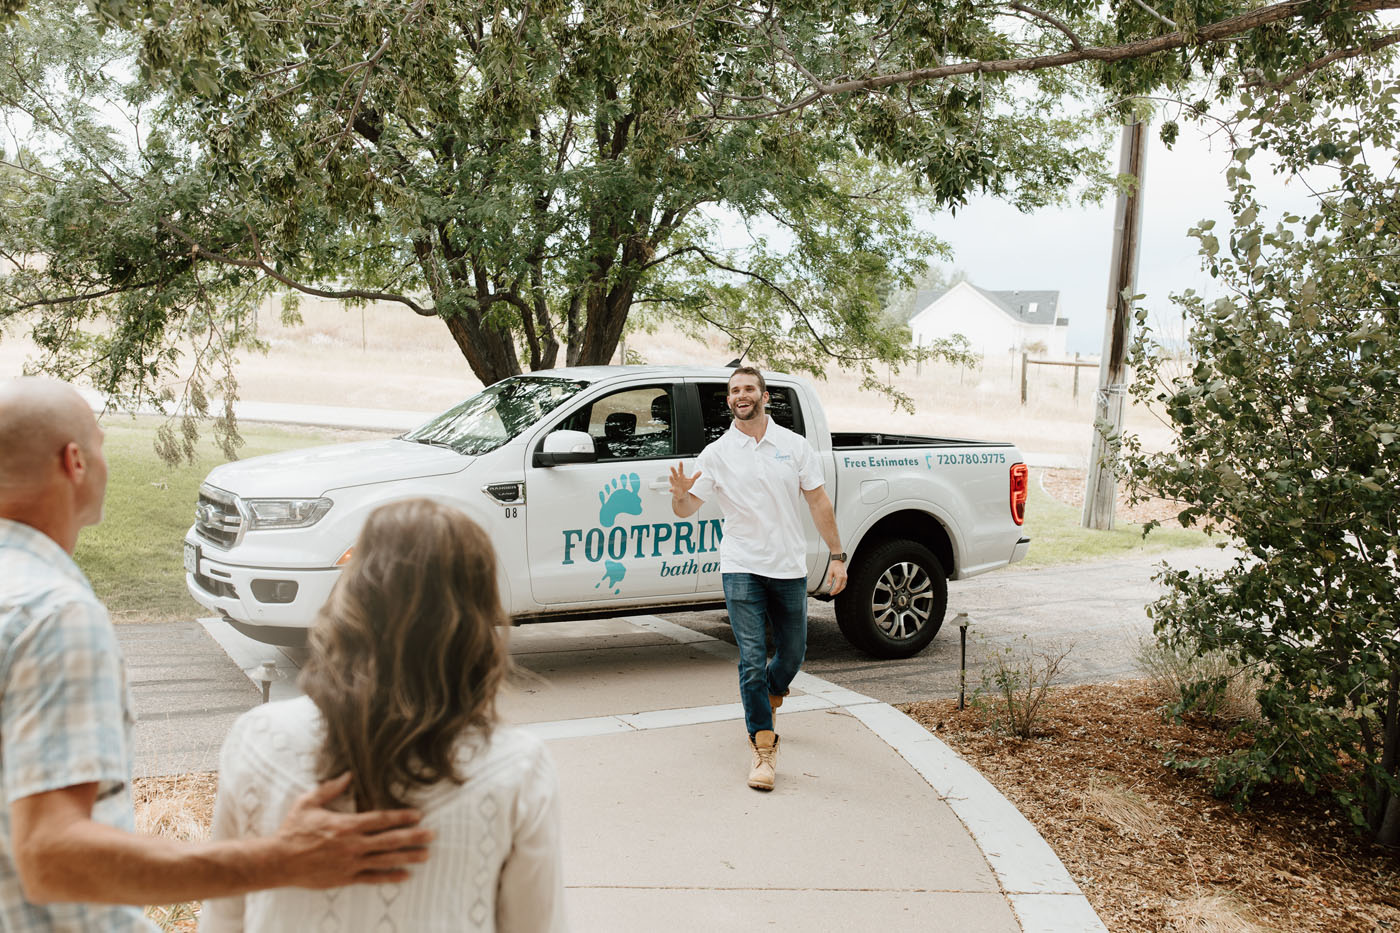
x=874 y=823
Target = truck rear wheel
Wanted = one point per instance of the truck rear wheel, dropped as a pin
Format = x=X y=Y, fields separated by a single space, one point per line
x=894 y=600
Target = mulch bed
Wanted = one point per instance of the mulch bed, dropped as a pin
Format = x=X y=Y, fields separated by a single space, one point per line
x=1152 y=849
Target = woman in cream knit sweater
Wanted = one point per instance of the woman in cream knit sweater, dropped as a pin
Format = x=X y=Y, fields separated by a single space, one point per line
x=406 y=658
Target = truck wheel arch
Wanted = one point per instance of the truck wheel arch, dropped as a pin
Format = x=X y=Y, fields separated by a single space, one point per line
x=915 y=525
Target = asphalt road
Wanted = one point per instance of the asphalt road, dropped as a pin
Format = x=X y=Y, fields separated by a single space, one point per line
x=1096 y=610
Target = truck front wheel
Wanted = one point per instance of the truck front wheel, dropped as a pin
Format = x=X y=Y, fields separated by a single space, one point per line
x=894 y=600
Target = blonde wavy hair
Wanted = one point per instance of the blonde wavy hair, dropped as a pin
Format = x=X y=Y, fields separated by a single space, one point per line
x=408 y=652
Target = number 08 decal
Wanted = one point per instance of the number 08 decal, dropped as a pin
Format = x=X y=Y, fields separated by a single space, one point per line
x=512 y=511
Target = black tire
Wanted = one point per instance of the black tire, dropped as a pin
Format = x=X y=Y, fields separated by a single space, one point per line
x=894 y=600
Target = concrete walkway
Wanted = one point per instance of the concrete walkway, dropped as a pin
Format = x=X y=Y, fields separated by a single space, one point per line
x=874 y=824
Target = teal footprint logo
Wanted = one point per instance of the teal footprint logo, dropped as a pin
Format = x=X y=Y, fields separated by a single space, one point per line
x=613 y=572
x=620 y=498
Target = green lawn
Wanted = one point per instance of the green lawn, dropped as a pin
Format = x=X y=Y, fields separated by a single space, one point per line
x=1058 y=538
x=133 y=558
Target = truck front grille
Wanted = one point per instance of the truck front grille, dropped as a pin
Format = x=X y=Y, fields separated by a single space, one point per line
x=216 y=517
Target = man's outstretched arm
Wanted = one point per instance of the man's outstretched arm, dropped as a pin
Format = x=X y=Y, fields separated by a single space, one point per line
x=64 y=855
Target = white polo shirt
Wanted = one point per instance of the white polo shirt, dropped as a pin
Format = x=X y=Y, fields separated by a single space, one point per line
x=758 y=487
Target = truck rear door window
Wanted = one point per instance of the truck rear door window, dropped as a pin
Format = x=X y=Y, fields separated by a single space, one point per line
x=714 y=409
x=632 y=424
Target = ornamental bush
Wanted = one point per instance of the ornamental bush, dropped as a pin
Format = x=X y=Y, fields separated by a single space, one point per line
x=1287 y=437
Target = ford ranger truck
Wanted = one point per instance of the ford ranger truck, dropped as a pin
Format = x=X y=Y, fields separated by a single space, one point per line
x=568 y=472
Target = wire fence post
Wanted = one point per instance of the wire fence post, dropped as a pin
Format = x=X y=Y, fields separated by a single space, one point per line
x=1024 y=356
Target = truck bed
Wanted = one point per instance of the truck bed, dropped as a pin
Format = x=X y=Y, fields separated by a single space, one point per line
x=847 y=440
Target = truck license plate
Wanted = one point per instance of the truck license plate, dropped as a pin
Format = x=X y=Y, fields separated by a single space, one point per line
x=191 y=558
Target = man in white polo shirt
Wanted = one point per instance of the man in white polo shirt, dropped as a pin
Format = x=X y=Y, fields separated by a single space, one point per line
x=758 y=471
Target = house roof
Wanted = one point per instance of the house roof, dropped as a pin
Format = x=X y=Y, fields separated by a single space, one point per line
x=1028 y=307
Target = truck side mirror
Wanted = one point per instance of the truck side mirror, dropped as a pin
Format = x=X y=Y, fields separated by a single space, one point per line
x=566 y=447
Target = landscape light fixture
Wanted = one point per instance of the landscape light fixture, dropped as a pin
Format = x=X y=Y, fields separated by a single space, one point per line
x=963 y=622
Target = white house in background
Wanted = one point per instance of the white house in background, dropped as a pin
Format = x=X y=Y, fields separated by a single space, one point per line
x=993 y=322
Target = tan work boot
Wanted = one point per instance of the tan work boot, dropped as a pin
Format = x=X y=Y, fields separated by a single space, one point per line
x=765 y=759
x=775 y=700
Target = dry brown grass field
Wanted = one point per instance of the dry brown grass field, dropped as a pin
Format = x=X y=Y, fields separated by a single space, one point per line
x=385 y=357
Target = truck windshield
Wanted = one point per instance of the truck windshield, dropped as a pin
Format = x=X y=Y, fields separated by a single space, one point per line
x=496 y=414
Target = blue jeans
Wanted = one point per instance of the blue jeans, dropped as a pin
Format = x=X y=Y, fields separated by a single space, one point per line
x=753 y=600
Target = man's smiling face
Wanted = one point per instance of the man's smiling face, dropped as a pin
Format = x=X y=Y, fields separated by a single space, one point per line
x=746 y=400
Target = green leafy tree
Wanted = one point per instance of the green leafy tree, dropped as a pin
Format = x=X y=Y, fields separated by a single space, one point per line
x=533 y=176
x=529 y=177
x=1286 y=438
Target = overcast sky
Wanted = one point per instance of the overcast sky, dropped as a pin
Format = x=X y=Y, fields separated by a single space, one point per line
x=1068 y=249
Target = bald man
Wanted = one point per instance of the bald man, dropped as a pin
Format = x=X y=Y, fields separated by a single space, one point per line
x=67 y=852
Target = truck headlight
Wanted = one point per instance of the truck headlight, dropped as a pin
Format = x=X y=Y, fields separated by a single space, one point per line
x=266 y=514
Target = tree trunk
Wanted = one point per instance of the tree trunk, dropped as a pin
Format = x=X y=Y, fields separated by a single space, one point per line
x=607 y=314
x=1388 y=834
x=489 y=352
x=1386 y=822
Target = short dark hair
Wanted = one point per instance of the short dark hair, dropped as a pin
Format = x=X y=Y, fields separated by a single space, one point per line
x=750 y=371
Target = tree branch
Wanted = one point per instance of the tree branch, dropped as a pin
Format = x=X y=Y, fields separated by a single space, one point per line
x=89 y=296
x=1052 y=20
x=1142 y=4
x=368 y=65
x=197 y=251
x=1212 y=32
x=787 y=299
x=1365 y=48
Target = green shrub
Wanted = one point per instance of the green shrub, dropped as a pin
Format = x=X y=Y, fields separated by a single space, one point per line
x=1014 y=688
x=1286 y=435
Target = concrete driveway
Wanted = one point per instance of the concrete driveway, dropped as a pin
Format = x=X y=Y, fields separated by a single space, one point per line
x=1097 y=610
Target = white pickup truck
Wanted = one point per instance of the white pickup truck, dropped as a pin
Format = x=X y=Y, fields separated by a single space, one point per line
x=567 y=471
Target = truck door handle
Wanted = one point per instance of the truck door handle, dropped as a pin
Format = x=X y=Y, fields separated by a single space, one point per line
x=660 y=485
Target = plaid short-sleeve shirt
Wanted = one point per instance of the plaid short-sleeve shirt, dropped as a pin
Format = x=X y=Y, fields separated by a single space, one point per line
x=65 y=713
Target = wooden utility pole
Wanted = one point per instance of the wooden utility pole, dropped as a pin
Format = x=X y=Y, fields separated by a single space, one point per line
x=1099 y=491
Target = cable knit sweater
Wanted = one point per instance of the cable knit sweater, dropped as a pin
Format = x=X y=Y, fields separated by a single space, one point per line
x=494 y=864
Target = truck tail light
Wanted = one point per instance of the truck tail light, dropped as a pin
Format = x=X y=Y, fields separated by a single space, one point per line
x=1020 y=488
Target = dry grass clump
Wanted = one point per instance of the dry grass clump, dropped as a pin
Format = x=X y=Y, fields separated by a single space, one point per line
x=182 y=808
x=1119 y=808
x=1214 y=913
x=179 y=807
x=1172 y=670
